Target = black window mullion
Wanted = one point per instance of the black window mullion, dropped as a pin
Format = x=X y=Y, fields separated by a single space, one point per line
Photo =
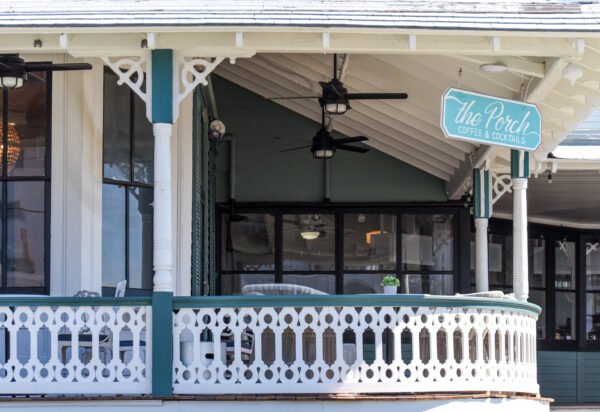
x=399 y=248
x=131 y=136
x=279 y=247
x=4 y=189
x=339 y=252
x=127 y=236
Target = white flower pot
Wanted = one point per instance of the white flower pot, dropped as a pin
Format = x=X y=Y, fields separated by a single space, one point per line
x=389 y=290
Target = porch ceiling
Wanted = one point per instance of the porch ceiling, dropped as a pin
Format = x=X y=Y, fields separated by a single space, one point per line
x=409 y=130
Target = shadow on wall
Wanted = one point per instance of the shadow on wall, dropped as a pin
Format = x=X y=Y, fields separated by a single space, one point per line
x=262 y=128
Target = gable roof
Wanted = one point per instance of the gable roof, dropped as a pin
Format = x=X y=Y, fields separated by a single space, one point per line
x=401 y=14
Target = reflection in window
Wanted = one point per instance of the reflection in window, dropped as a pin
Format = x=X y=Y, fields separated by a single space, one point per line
x=233 y=284
x=248 y=242
x=324 y=283
x=127 y=213
x=25 y=237
x=355 y=283
x=565 y=313
x=25 y=217
x=427 y=284
x=592 y=285
x=369 y=242
x=309 y=242
x=565 y=265
x=539 y=298
x=427 y=242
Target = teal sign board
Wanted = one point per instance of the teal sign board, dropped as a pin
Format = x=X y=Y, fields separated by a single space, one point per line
x=491 y=120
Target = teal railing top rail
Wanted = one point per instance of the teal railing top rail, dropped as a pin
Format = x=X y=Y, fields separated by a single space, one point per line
x=74 y=301
x=285 y=301
x=356 y=300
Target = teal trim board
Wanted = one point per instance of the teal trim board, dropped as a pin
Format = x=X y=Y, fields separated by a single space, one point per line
x=162 y=86
x=162 y=344
x=519 y=164
x=354 y=300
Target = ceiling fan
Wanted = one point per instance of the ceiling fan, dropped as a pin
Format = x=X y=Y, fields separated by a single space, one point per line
x=324 y=145
x=13 y=69
x=335 y=100
x=335 y=97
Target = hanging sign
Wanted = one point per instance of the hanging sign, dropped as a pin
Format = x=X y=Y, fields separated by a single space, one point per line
x=491 y=120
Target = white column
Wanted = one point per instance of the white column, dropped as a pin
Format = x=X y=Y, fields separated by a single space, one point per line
x=481 y=255
x=163 y=233
x=520 y=260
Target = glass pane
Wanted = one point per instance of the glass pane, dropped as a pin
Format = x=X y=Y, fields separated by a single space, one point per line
x=117 y=145
x=113 y=234
x=565 y=264
x=427 y=242
x=248 y=243
x=363 y=283
x=500 y=262
x=427 y=284
x=25 y=234
x=309 y=242
x=592 y=319
x=26 y=155
x=233 y=284
x=324 y=283
x=565 y=316
x=539 y=298
x=140 y=238
x=537 y=263
x=592 y=265
x=369 y=242
x=143 y=151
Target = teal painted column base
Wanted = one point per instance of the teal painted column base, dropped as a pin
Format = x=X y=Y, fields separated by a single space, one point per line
x=162 y=344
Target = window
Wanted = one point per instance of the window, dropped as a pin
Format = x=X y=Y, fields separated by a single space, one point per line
x=500 y=272
x=370 y=241
x=127 y=192
x=25 y=186
x=337 y=250
x=564 y=285
x=428 y=254
x=592 y=289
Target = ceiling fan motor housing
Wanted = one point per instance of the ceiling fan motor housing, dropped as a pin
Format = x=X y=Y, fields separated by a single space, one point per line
x=334 y=100
x=323 y=146
x=12 y=72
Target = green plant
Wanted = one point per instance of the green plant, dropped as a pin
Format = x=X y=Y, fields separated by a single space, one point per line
x=390 y=281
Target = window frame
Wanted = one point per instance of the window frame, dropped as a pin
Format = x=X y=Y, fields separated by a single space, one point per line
x=4 y=179
x=339 y=210
x=551 y=234
x=127 y=184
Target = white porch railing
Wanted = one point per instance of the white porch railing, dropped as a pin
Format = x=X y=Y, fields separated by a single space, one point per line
x=266 y=344
x=74 y=346
x=349 y=344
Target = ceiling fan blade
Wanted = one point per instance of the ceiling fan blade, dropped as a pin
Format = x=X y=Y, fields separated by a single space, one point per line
x=282 y=138
x=35 y=66
x=354 y=139
x=296 y=148
x=376 y=96
x=352 y=148
x=292 y=97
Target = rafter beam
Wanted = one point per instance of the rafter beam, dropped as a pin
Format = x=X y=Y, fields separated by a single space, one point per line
x=82 y=43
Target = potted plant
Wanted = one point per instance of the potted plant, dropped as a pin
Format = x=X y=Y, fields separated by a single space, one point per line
x=390 y=285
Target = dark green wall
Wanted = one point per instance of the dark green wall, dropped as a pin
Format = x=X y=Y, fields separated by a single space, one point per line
x=263 y=128
x=569 y=377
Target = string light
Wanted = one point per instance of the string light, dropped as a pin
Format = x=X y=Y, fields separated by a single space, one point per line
x=14 y=148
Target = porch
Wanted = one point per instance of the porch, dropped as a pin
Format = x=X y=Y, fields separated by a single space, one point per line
x=361 y=344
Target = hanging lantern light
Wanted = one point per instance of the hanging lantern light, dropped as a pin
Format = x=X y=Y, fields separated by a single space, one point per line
x=14 y=148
